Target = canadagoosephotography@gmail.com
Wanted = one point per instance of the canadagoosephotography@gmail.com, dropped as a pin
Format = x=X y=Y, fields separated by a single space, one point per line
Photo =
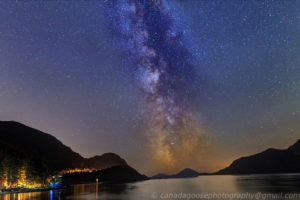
x=214 y=195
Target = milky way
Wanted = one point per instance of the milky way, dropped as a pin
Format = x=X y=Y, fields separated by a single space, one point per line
x=118 y=76
x=163 y=67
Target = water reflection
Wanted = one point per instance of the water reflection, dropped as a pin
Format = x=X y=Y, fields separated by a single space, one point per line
x=25 y=196
x=269 y=183
x=117 y=189
x=152 y=189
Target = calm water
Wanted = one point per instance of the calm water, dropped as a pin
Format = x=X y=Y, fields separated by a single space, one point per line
x=203 y=187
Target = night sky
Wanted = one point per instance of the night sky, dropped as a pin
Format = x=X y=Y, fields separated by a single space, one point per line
x=164 y=84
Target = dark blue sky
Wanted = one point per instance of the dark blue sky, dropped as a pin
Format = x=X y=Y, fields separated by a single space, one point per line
x=64 y=69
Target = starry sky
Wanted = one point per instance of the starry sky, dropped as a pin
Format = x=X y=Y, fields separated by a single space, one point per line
x=166 y=84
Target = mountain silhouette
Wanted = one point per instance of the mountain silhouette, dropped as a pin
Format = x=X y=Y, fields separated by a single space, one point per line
x=268 y=161
x=115 y=174
x=185 y=173
x=19 y=140
x=106 y=160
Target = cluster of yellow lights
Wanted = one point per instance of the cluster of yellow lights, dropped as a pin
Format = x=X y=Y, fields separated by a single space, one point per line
x=77 y=170
x=21 y=180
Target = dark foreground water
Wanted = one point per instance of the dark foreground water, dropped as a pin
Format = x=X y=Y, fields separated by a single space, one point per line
x=203 y=187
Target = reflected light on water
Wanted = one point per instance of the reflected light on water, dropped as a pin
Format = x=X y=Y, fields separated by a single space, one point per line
x=288 y=183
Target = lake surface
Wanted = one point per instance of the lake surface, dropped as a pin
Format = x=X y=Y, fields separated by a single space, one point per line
x=278 y=186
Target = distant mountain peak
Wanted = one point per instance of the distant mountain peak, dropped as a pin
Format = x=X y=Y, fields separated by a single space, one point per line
x=188 y=172
x=185 y=173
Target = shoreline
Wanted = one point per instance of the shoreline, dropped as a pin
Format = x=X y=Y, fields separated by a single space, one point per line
x=25 y=190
